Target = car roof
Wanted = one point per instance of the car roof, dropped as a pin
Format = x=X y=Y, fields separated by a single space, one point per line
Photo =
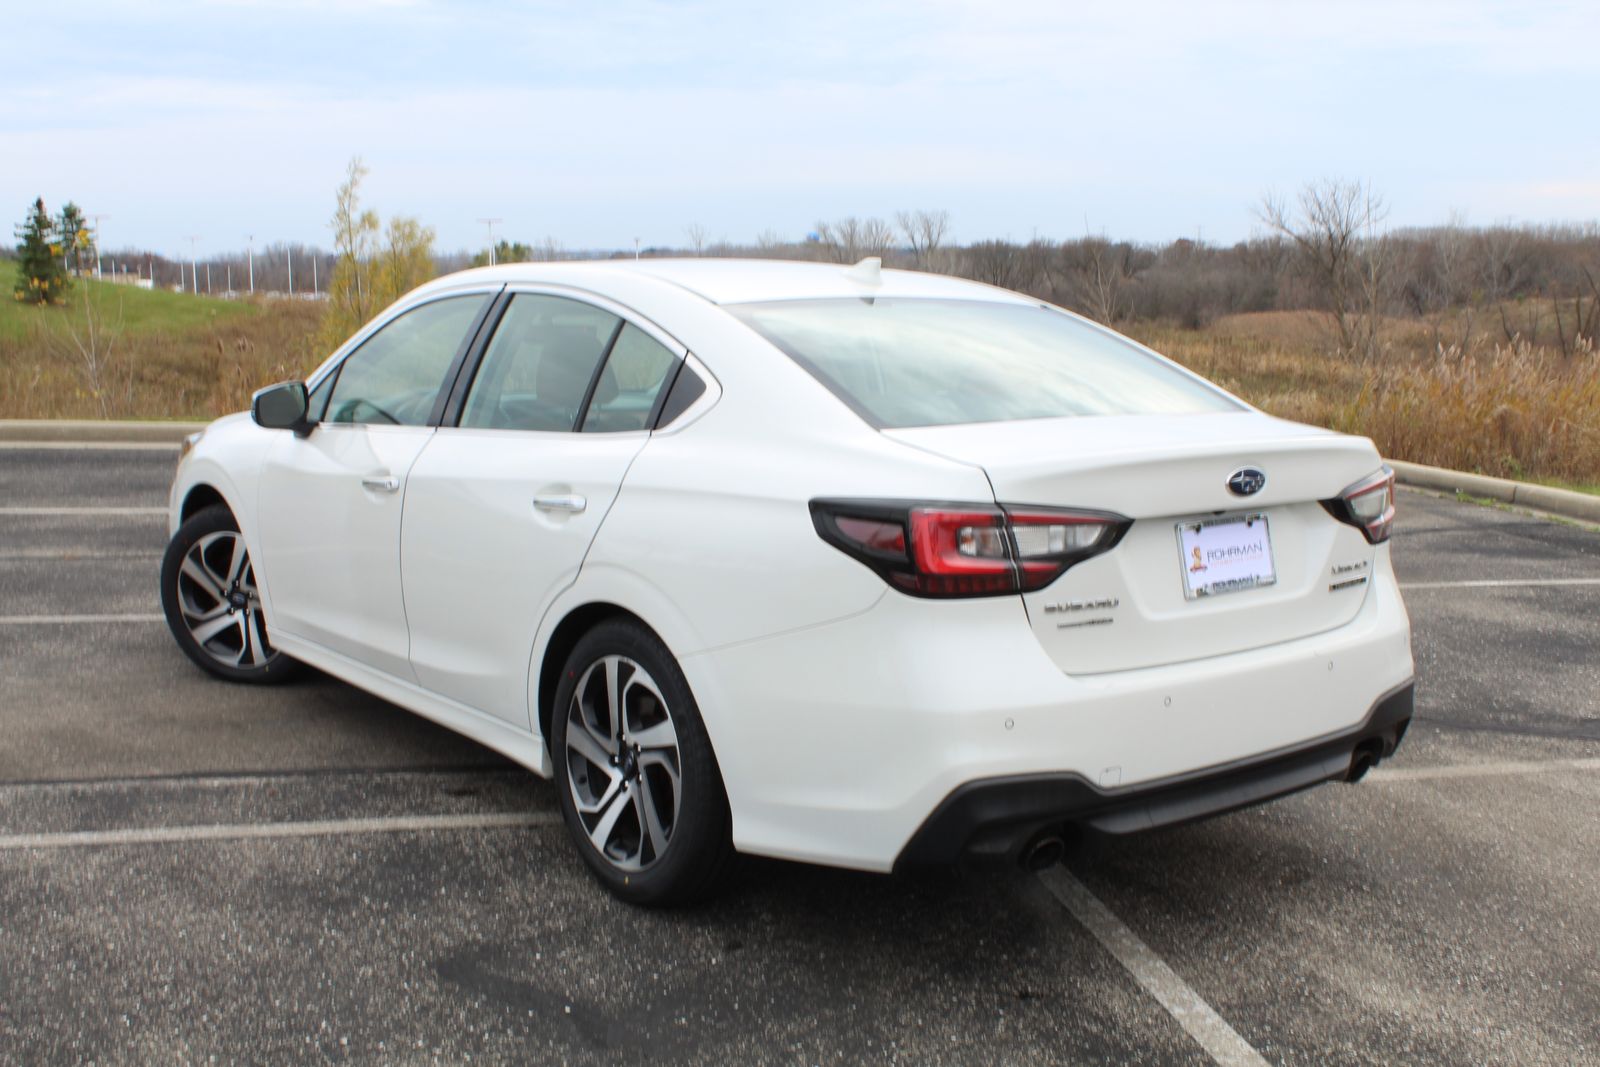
x=740 y=281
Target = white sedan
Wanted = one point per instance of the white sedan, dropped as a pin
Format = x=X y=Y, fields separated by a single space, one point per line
x=846 y=565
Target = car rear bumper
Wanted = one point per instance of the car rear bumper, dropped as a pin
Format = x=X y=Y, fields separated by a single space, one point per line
x=839 y=743
x=995 y=818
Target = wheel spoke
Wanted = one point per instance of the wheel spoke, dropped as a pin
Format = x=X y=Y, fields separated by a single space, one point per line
x=581 y=739
x=237 y=562
x=613 y=698
x=644 y=803
x=662 y=735
x=211 y=629
x=256 y=644
x=195 y=615
x=669 y=766
x=613 y=786
x=198 y=573
x=601 y=834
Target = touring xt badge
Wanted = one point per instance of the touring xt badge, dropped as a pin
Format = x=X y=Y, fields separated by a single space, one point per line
x=1246 y=481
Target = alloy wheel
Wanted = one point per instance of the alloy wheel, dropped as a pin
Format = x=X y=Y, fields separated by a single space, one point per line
x=220 y=604
x=623 y=764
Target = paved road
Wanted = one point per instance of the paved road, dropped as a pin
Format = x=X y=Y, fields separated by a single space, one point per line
x=190 y=870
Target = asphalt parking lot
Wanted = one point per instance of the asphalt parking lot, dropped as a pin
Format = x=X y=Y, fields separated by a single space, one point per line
x=195 y=872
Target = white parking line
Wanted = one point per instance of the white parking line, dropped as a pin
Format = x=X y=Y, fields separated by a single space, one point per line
x=1198 y=1019
x=245 y=831
x=57 y=620
x=89 y=446
x=1510 y=583
x=86 y=510
x=1480 y=770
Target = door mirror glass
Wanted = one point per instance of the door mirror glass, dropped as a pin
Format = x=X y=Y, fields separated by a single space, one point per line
x=281 y=407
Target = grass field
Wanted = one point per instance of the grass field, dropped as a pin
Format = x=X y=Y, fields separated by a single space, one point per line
x=1506 y=410
x=141 y=310
x=155 y=354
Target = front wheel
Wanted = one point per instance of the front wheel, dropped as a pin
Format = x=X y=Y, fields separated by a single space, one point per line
x=209 y=596
x=639 y=784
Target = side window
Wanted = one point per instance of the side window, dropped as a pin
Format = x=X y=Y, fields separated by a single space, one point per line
x=635 y=373
x=539 y=364
x=394 y=377
x=686 y=389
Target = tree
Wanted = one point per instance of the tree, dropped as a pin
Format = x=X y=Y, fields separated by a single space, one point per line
x=72 y=232
x=40 y=277
x=924 y=232
x=351 y=299
x=851 y=240
x=505 y=252
x=406 y=260
x=1334 y=232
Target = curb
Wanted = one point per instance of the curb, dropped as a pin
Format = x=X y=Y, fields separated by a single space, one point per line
x=1566 y=503
x=96 y=431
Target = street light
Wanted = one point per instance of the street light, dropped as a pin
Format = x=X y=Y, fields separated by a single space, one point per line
x=97 y=219
x=251 y=238
x=489 y=223
x=194 y=269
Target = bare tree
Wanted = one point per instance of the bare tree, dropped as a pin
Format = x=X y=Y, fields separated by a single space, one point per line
x=850 y=240
x=1334 y=231
x=1097 y=275
x=94 y=344
x=924 y=233
x=696 y=234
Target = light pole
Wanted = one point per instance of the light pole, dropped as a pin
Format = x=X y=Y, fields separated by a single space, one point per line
x=251 y=239
x=635 y=248
x=288 y=257
x=194 y=268
x=489 y=223
x=97 y=219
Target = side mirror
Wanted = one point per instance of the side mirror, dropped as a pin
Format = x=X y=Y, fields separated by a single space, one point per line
x=282 y=407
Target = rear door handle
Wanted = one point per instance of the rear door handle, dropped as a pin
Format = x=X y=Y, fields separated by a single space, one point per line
x=381 y=485
x=571 y=502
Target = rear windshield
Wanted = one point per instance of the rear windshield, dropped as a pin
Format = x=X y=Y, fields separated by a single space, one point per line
x=919 y=362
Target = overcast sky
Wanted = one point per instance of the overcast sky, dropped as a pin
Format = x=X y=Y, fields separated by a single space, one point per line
x=595 y=123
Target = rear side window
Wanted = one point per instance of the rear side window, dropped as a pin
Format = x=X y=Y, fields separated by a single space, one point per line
x=917 y=362
x=634 y=375
x=395 y=376
x=540 y=362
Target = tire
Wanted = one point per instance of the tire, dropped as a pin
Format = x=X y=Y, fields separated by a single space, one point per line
x=209 y=597
x=646 y=842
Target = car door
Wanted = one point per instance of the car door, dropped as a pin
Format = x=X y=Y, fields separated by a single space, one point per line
x=501 y=507
x=330 y=502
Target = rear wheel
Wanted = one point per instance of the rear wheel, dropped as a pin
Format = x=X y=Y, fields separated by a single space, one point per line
x=639 y=784
x=212 y=605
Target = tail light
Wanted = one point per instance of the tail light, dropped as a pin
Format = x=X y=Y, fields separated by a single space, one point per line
x=965 y=550
x=1367 y=505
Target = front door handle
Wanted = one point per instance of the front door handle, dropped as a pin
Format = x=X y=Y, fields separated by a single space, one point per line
x=381 y=485
x=570 y=502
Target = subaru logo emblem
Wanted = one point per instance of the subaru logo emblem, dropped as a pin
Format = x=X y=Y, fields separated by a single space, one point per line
x=1246 y=481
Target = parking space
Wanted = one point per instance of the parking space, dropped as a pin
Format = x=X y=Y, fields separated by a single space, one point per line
x=192 y=870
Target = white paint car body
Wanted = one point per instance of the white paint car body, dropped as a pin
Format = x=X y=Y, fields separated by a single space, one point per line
x=843 y=712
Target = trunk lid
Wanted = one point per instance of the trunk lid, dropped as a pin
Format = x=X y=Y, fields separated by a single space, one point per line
x=1129 y=608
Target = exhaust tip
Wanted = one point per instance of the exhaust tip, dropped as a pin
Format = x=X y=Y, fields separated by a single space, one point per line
x=1044 y=851
x=1361 y=761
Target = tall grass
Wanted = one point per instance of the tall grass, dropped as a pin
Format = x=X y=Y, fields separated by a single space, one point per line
x=1509 y=409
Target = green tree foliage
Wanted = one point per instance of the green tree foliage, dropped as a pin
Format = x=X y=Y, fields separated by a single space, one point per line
x=72 y=233
x=370 y=276
x=40 y=277
x=505 y=252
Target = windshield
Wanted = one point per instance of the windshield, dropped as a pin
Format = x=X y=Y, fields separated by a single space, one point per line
x=919 y=362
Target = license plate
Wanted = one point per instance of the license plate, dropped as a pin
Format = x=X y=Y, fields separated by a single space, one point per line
x=1225 y=555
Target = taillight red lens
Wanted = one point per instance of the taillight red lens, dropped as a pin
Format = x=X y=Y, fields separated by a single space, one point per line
x=964 y=550
x=1368 y=505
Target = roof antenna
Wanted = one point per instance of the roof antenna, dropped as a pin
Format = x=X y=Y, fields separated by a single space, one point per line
x=868 y=272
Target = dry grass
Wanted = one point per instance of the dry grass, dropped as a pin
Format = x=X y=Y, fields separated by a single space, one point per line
x=190 y=367
x=1506 y=409
x=1509 y=409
